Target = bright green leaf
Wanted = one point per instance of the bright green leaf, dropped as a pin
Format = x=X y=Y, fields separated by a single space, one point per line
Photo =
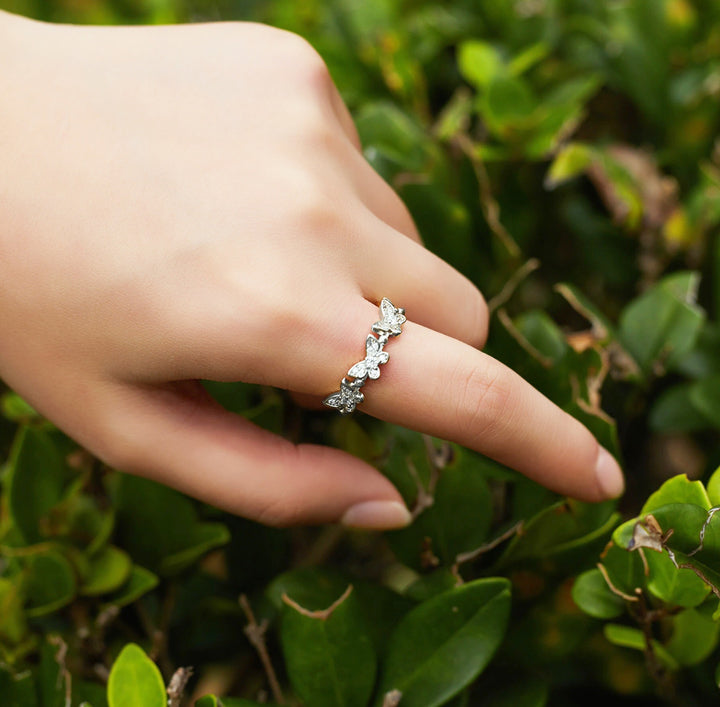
x=678 y=489
x=674 y=586
x=444 y=644
x=713 y=488
x=135 y=680
x=480 y=62
x=571 y=161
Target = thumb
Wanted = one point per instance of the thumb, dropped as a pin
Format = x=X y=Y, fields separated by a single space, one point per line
x=178 y=435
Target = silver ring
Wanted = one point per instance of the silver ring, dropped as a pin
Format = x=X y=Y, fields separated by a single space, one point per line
x=349 y=396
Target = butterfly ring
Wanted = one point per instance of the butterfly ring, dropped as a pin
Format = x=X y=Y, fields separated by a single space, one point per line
x=349 y=396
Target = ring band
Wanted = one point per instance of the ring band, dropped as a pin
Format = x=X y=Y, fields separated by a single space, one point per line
x=390 y=324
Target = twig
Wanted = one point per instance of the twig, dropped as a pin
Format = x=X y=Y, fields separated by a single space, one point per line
x=322 y=614
x=425 y=497
x=613 y=588
x=512 y=284
x=474 y=554
x=256 y=635
x=177 y=685
x=392 y=698
x=490 y=206
x=63 y=672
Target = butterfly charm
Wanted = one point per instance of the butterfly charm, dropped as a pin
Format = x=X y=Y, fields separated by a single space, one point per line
x=392 y=318
x=347 y=399
x=374 y=356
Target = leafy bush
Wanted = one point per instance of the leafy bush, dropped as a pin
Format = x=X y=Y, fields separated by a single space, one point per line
x=563 y=154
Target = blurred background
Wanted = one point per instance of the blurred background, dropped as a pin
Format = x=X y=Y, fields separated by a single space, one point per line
x=564 y=155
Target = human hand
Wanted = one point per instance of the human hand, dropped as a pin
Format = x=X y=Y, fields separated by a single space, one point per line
x=184 y=203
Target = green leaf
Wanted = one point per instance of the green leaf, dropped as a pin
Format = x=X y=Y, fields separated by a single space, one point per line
x=18 y=410
x=135 y=680
x=566 y=525
x=108 y=570
x=674 y=586
x=140 y=582
x=212 y=701
x=13 y=625
x=676 y=411
x=713 y=488
x=444 y=644
x=52 y=677
x=592 y=594
x=49 y=583
x=507 y=104
x=480 y=63
x=625 y=569
x=18 y=689
x=329 y=657
x=377 y=608
x=459 y=519
x=705 y=395
x=571 y=161
x=393 y=140
x=633 y=638
x=528 y=58
x=37 y=477
x=661 y=326
x=159 y=527
x=678 y=489
x=694 y=637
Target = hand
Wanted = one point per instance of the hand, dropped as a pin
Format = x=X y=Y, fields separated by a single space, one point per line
x=184 y=203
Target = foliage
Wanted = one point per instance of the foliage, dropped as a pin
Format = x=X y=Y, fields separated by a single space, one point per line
x=563 y=155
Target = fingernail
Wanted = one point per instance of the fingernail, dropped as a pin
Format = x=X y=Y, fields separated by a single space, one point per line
x=378 y=515
x=609 y=475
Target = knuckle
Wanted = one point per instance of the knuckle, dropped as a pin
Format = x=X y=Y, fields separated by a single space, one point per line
x=483 y=401
x=305 y=61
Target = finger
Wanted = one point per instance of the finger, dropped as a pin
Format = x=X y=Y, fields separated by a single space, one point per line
x=382 y=200
x=440 y=386
x=177 y=435
x=412 y=277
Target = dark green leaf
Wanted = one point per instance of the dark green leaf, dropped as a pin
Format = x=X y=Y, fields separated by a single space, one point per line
x=18 y=689
x=660 y=326
x=445 y=643
x=159 y=527
x=694 y=637
x=458 y=520
x=37 y=479
x=592 y=594
x=108 y=570
x=49 y=582
x=138 y=583
x=329 y=657
x=629 y=637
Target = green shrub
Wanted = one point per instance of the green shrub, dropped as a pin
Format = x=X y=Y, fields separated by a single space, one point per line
x=563 y=154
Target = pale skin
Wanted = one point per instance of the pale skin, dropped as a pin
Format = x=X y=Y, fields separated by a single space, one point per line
x=186 y=203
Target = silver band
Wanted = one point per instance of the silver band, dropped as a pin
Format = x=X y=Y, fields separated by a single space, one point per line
x=349 y=396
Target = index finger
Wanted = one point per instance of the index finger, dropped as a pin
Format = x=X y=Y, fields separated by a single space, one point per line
x=443 y=387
